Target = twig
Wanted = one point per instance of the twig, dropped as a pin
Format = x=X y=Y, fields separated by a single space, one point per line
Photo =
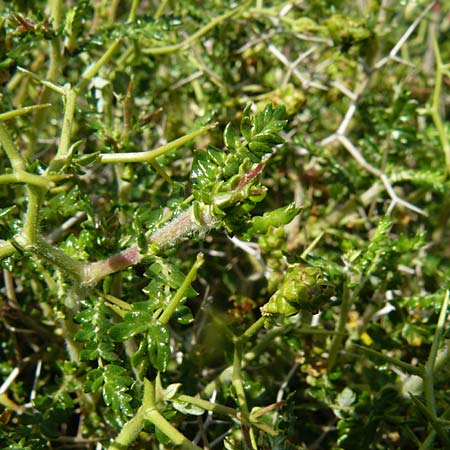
x=284 y=385
x=345 y=141
x=304 y=81
x=404 y=38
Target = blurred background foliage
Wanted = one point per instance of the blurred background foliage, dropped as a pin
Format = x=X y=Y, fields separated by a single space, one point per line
x=366 y=157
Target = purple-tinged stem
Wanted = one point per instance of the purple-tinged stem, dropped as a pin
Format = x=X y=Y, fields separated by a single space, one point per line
x=178 y=229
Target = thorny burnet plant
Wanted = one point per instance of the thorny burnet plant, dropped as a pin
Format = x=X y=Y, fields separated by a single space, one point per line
x=224 y=226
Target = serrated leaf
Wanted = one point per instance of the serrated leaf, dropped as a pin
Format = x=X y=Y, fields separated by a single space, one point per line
x=269 y=120
x=378 y=248
x=260 y=148
x=94 y=380
x=158 y=346
x=183 y=315
x=126 y=330
x=346 y=398
x=84 y=335
x=140 y=359
x=106 y=351
x=187 y=408
x=115 y=389
x=246 y=123
x=275 y=218
x=86 y=160
x=89 y=354
x=269 y=138
x=203 y=171
x=176 y=279
x=230 y=138
x=171 y=390
x=216 y=155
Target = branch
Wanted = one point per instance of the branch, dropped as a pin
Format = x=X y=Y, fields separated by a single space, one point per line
x=180 y=228
x=152 y=154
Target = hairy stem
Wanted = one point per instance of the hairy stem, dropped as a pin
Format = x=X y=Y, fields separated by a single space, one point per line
x=178 y=229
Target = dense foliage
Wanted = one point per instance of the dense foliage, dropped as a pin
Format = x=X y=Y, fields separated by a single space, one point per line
x=224 y=225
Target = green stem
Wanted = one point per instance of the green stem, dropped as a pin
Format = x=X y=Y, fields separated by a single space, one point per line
x=57 y=13
x=207 y=406
x=6 y=249
x=70 y=267
x=152 y=154
x=129 y=432
x=160 y=9
x=69 y=330
x=160 y=422
x=254 y=328
x=435 y=105
x=64 y=144
x=133 y=9
x=133 y=427
x=53 y=86
x=225 y=377
x=216 y=21
x=16 y=160
x=240 y=392
x=31 y=222
x=148 y=411
x=54 y=68
x=428 y=377
x=93 y=70
x=21 y=111
x=21 y=176
x=174 y=302
x=336 y=344
x=429 y=441
x=396 y=362
x=440 y=430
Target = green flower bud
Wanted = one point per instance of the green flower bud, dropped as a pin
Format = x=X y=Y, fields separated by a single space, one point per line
x=303 y=288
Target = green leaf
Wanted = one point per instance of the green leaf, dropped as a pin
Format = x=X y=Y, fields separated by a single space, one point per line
x=84 y=335
x=162 y=438
x=171 y=390
x=5 y=211
x=187 y=408
x=346 y=398
x=246 y=123
x=260 y=148
x=230 y=138
x=116 y=387
x=204 y=171
x=86 y=160
x=275 y=218
x=183 y=315
x=158 y=346
x=126 y=330
x=94 y=380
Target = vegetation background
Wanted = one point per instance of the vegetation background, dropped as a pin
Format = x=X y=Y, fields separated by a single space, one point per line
x=297 y=295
